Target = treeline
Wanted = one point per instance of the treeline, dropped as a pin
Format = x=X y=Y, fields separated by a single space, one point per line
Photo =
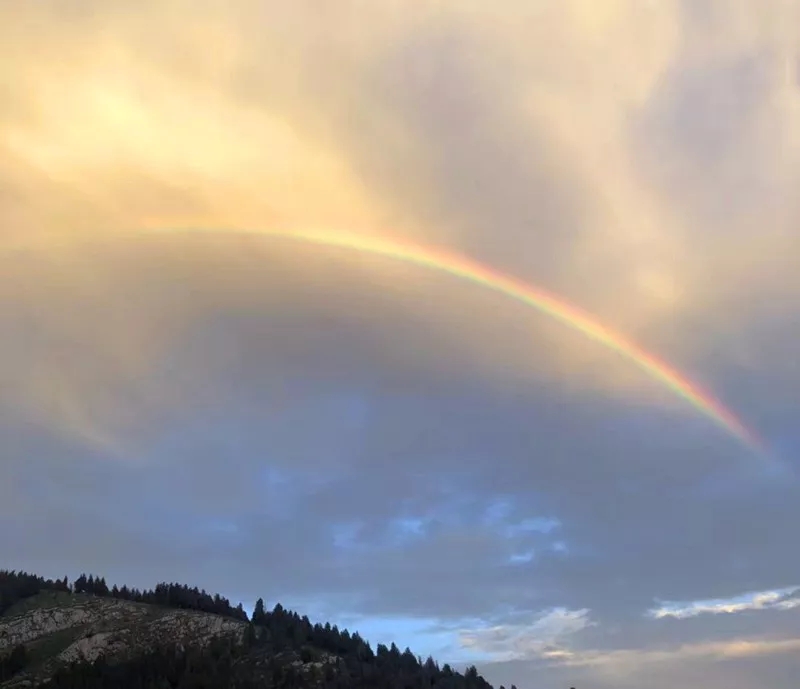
x=16 y=586
x=168 y=595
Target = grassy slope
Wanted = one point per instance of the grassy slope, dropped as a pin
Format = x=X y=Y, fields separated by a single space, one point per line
x=45 y=600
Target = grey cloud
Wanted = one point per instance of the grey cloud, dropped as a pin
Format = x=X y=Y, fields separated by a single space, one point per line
x=479 y=168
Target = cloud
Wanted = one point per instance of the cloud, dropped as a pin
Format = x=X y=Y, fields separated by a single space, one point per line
x=541 y=637
x=637 y=660
x=785 y=599
x=367 y=441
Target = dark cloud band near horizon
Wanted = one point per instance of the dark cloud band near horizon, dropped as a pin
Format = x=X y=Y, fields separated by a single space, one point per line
x=378 y=444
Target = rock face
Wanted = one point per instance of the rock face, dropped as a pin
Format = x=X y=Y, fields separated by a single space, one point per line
x=38 y=623
x=91 y=648
x=177 y=624
x=63 y=628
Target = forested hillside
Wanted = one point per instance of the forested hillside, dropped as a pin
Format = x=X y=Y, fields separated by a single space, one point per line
x=277 y=648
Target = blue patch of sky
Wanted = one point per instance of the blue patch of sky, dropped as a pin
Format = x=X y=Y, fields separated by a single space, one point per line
x=502 y=513
x=423 y=636
x=405 y=529
x=502 y=516
x=346 y=536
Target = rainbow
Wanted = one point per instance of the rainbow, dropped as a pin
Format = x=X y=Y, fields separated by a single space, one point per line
x=462 y=267
x=466 y=269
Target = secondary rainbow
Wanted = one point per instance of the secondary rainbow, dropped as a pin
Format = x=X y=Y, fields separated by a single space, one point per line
x=467 y=269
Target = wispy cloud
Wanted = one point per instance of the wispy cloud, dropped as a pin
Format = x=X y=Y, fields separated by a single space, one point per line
x=782 y=599
x=631 y=659
x=542 y=636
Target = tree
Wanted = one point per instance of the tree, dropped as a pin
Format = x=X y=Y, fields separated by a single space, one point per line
x=259 y=615
x=80 y=584
x=250 y=635
x=100 y=587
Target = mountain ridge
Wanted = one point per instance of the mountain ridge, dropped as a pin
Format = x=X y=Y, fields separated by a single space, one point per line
x=87 y=635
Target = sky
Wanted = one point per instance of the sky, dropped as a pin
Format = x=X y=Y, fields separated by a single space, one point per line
x=383 y=445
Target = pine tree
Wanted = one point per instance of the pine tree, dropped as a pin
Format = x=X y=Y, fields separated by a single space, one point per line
x=80 y=584
x=100 y=587
x=259 y=615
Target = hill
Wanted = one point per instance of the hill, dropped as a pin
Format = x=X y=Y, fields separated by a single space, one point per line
x=87 y=635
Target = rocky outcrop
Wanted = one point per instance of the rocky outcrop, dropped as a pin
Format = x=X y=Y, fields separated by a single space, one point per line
x=74 y=628
x=90 y=648
x=39 y=623
x=178 y=624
